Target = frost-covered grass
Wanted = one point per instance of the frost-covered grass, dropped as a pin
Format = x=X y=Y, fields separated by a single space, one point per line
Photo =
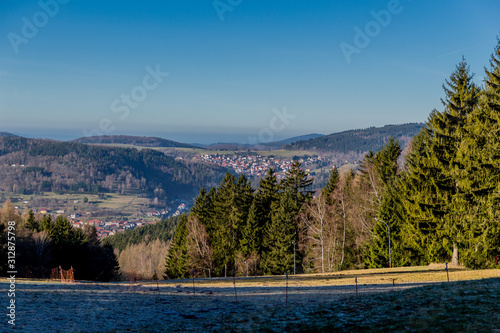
x=319 y=302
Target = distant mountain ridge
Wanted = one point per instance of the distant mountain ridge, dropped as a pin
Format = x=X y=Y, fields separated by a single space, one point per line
x=143 y=141
x=261 y=146
x=281 y=143
x=7 y=134
x=360 y=140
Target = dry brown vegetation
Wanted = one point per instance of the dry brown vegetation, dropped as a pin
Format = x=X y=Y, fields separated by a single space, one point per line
x=141 y=261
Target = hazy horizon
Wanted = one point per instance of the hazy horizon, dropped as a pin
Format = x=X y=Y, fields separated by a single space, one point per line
x=190 y=138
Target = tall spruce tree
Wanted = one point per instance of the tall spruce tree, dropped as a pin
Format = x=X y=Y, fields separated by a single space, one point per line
x=31 y=222
x=280 y=235
x=330 y=186
x=251 y=232
x=265 y=201
x=175 y=262
x=297 y=181
x=434 y=202
x=227 y=223
x=479 y=176
x=202 y=207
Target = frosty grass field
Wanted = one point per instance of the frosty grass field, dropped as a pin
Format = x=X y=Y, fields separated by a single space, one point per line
x=410 y=299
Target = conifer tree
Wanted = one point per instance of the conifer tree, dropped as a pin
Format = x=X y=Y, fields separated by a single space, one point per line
x=434 y=201
x=31 y=222
x=226 y=220
x=479 y=176
x=251 y=232
x=202 y=206
x=280 y=235
x=175 y=262
x=265 y=201
x=297 y=182
x=330 y=186
x=46 y=224
x=385 y=171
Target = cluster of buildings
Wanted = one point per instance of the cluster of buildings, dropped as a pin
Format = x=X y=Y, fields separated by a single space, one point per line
x=255 y=165
x=108 y=228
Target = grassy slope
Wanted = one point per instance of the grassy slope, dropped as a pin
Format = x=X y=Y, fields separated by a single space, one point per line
x=472 y=306
x=465 y=306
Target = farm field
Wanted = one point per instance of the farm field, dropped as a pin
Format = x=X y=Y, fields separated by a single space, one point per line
x=125 y=205
x=420 y=300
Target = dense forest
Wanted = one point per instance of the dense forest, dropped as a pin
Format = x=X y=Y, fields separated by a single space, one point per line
x=441 y=204
x=42 y=243
x=33 y=166
x=142 y=141
x=358 y=141
x=163 y=230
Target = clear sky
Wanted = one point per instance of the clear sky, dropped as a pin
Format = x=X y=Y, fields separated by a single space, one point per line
x=237 y=70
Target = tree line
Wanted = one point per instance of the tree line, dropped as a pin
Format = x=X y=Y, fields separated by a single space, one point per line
x=43 y=244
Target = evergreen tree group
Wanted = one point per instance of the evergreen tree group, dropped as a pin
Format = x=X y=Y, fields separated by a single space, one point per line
x=445 y=203
x=43 y=244
x=234 y=225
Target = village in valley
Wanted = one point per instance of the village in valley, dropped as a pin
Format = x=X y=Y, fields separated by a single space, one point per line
x=104 y=226
x=257 y=165
x=80 y=212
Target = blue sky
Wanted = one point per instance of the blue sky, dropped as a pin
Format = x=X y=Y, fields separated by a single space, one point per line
x=232 y=65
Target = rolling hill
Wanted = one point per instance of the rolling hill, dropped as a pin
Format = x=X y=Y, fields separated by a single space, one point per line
x=7 y=134
x=142 y=141
x=34 y=165
x=280 y=144
x=358 y=141
x=261 y=146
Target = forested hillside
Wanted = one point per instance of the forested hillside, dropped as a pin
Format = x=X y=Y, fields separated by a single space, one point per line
x=358 y=141
x=280 y=144
x=141 y=252
x=142 y=141
x=33 y=166
x=163 y=230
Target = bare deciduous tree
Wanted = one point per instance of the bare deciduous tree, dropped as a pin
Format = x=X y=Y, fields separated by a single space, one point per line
x=199 y=252
x=41 y=242
x=142 y=260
